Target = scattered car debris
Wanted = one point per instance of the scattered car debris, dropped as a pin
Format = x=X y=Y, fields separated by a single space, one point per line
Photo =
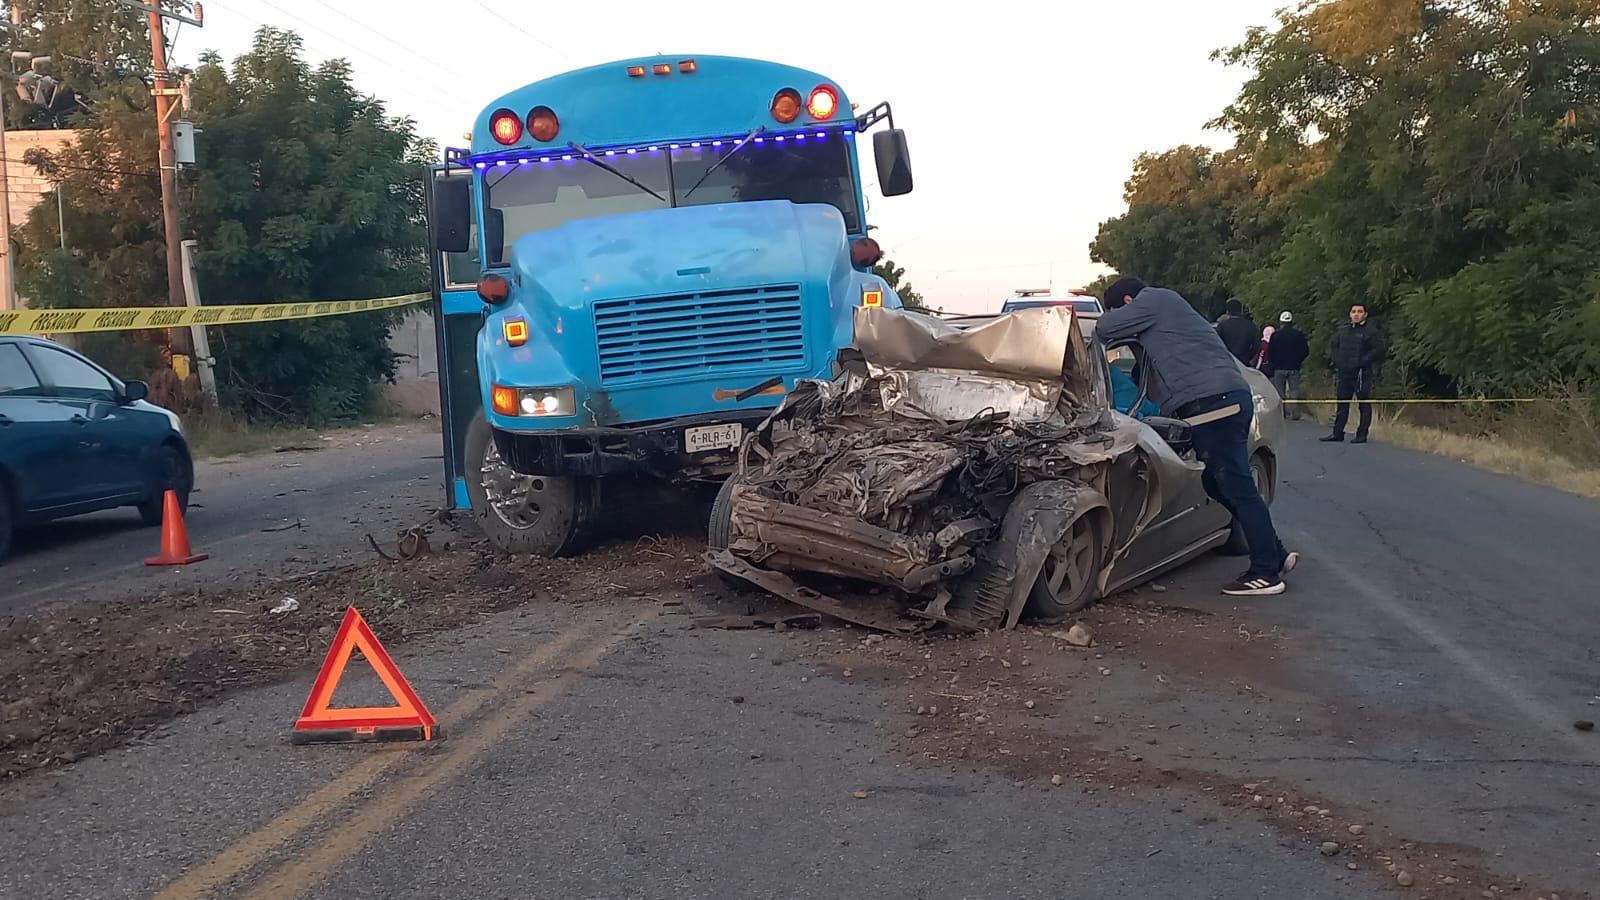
x=772 y=620
x=287 y=605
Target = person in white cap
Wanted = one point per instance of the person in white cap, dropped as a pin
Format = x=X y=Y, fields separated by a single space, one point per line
x=1286 y=353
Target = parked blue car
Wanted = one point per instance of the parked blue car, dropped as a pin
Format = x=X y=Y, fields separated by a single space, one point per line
x=74 y=439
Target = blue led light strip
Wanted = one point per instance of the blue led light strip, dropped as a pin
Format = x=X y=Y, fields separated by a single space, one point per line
x=506 y=158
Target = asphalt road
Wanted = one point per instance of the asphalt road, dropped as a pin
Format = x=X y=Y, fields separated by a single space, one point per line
x=262 y=514
x=1421 y=680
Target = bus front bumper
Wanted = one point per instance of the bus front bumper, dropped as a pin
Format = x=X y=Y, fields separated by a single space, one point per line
x=689 y=448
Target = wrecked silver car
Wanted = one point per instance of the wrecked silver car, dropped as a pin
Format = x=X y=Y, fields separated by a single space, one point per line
x=978 y=469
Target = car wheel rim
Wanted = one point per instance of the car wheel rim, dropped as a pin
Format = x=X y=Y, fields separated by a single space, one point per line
x=514 y=497
x=1067 y=568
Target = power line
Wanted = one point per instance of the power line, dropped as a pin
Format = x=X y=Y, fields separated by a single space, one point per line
x=362 y=25
x=78 y=168
x=535 y=38
x=412 y=71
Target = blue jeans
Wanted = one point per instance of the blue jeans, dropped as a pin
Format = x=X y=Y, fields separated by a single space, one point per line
x=1224 y=447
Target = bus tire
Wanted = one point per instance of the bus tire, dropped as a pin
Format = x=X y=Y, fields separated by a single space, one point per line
x=541 y=515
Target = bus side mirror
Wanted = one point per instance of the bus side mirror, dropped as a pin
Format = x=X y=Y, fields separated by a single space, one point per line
x=894 y=162
x=451 y=214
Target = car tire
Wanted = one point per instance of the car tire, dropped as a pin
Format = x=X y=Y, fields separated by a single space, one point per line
x=541 y=515
x=8 y=520
x=720 y=535
x=1070 y=576
x=1237 y=544
x=719 y=525
x=177 y=473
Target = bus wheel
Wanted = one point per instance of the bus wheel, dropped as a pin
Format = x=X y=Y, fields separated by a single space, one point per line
x=543 y=515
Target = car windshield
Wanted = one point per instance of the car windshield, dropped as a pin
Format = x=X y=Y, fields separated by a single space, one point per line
x=533 y=196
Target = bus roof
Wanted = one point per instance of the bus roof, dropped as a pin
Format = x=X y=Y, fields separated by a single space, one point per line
x=608 y=105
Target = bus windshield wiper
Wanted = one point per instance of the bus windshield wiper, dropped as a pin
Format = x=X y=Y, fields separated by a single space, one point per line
x=587 y=156
x=725 y=157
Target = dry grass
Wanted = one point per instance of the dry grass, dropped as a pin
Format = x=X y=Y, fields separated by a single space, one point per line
x=1516 y=444
x=216 y=435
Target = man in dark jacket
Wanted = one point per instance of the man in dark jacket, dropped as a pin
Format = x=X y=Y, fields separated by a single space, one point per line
x=1356 y=350
x=1238 y=332
x=1286 y=353
x=1192 y=376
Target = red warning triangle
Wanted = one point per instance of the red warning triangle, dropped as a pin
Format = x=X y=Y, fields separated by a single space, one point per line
x=354 y=634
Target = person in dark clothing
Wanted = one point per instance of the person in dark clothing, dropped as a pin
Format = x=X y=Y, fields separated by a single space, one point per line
x=1192 y=376
x=1239 y=334
x=1286 y=353
x=1356 y=351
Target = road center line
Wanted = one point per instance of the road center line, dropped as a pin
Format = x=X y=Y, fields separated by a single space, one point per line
x=1541 y=714
x=251 y=849
x=394 y=802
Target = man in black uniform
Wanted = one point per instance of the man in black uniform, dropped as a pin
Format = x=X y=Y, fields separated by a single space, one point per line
x=1239 y=332
x=1356 y=350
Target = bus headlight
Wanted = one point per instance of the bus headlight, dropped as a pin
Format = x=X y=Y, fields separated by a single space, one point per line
x=544 y=402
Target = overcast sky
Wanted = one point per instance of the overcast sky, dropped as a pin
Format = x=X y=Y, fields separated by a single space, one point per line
x=1023 y=118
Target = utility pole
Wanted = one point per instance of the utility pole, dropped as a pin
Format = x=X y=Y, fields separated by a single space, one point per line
x=162 y=90
x=8 y=284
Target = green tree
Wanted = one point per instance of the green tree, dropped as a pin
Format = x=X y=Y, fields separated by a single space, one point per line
x=1195 y=222
x=304 y=189
x=1434 y=159
x=891 y=273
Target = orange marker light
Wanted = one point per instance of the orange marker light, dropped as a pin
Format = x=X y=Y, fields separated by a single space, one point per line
x=786 y=105
x=493 y=289
x=636 y=71
x=824 y=102
x=872 y=298
x=503 y=399
x=662 y=68
x=516 y=331
x=543 y=124
x=688 y=67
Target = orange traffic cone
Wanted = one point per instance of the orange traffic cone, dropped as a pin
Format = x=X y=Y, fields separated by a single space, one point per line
x=174 y=537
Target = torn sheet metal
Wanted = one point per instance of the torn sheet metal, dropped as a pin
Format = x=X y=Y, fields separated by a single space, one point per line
x=1033 y=344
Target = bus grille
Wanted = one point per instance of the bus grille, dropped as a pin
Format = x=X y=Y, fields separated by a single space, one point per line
x=688 y=335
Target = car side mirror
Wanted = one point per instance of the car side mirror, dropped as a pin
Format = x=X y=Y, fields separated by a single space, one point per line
x=451 y=213
x=894 y=162
x=134 y=391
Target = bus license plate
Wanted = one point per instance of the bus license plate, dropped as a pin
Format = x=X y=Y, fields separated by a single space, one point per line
x=712 y=437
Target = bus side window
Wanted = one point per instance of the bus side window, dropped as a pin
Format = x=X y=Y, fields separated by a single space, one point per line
x=462 y=269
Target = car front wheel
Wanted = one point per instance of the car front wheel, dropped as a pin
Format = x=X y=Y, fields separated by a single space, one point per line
x=177 y=474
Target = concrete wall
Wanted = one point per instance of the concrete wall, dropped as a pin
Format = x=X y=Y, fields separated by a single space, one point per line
x=416 y=387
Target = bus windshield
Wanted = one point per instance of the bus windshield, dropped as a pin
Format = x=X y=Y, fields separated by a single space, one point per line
x=524 y=198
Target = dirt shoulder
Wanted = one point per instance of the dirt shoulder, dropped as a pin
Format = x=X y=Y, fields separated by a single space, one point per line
x=82 y=678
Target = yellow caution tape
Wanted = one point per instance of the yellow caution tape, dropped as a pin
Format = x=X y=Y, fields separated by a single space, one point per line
x=69 y=321
x=1447 y=400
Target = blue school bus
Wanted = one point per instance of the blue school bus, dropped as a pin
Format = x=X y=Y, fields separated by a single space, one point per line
x=635 y=262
